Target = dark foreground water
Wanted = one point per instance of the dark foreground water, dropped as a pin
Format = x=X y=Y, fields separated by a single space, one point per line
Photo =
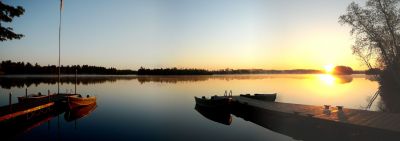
x=163 y=108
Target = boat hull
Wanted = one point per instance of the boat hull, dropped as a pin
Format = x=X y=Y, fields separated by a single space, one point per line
x=74 y=101
x=35 y=97
x=219 y=103
x=31 y=98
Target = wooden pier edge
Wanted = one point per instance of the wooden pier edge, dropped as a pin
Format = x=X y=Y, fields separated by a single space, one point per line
x=347 y=117
x=26 y=111
x=18 y=109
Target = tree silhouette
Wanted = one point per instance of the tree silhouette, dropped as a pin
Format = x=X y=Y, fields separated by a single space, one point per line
x=342 y=70
x=376 y=28
x=7 y=13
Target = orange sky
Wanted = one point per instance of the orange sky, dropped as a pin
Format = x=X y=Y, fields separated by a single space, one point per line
x=187 y=34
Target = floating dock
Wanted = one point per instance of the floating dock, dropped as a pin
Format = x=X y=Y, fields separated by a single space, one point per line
x=18 y=109
x=316 y=123
x=379 y=120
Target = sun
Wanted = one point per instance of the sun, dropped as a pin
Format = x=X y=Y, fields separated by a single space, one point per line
x=329 y=68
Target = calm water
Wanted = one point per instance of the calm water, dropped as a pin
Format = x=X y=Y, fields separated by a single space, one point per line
x=162 y=108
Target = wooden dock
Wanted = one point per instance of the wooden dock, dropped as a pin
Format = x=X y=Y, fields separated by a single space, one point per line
x=353 y=117
x=18 y=109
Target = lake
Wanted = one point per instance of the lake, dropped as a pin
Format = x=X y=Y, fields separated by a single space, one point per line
x=163 y=107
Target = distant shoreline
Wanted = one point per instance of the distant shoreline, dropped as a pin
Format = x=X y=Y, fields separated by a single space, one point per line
x=117 y=75
x=20 y=68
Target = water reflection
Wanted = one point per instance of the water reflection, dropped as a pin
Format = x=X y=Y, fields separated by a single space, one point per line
x=300 y=127
x=14 y=128
x=389 y=91
x=349 y=90
x=335 y=79
x=146 y=107
x=79 y=112
x=21 y=81
x=220 y=116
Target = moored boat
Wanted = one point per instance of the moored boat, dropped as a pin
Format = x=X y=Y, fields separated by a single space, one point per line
x=75 y=101
x=32 y=97
x=214 y=101
x=263 y=97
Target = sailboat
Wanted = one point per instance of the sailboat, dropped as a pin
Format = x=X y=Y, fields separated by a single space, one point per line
x=75 y=100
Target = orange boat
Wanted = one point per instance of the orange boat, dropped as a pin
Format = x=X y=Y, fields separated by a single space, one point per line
x=79 y=101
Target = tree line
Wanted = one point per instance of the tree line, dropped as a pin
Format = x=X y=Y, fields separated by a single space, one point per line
x=9 y=67
x=14 y=68
x=262 y=71
x=339 y=70
x=172 y=71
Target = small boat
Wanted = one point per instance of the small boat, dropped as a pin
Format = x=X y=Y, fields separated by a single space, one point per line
x=223 y=117
x=263 y=97
x=79 y=112
x=213 y=102
x=75 y=101
x=31 y=97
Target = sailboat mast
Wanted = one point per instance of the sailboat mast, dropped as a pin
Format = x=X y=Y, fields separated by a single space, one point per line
x=59 y=49
x=76 y=78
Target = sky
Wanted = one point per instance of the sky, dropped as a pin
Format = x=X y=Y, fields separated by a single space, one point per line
x=208 y=34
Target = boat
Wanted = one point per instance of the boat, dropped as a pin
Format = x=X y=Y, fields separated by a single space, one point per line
x=263 y=97
x=214 y=101
x=223 y=117
x=79 y=112
x=75 y=101
x=31 y=97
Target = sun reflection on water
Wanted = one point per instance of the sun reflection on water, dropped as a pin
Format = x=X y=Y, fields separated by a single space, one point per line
x=328 y=79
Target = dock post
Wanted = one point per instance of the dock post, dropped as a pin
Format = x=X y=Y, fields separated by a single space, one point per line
x=9 y=98
x=26 y=92
x=48 y=94
x=9 y=101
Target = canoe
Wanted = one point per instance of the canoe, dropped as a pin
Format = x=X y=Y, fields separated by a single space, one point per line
x=31 y=98
x=263 y=97
x=213 y=102
x=79 y=101
x=219 y=116
x=79 y=112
